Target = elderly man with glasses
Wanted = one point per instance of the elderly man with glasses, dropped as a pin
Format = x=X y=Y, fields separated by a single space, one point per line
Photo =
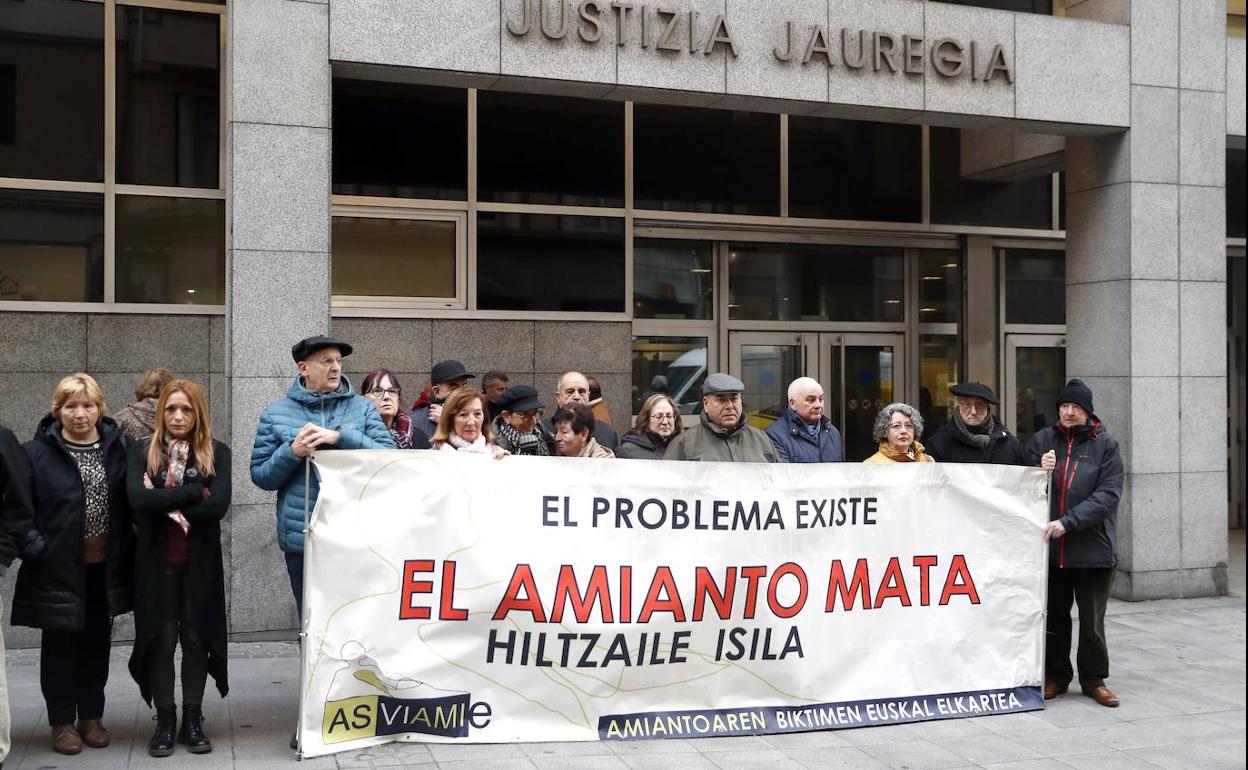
x=974 y=434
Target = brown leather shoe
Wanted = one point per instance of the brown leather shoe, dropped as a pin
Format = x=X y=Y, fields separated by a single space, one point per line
x=93 y=733
x=1053 y=689
x=65 y=740
x=1101 y=695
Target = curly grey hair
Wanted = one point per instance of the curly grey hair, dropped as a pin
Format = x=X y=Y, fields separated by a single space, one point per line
x=880 y=431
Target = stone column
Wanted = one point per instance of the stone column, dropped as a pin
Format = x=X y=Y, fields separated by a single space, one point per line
x=279 y=273
x=1146 y=295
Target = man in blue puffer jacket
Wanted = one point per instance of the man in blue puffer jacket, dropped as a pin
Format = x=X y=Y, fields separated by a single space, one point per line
x=321 y=409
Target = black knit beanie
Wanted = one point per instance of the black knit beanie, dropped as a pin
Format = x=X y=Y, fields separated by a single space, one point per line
x=1076 y=392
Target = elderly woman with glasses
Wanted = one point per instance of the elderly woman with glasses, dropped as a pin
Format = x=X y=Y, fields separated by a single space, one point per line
x=657 y=424
x=518 y=427
x=897 y=428
x=383 y=389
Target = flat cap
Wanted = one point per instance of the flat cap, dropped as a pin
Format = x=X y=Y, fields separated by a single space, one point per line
x=445 y=371
x=722 y=383
x=518 y=398
x=309 y=345
x=974 y=390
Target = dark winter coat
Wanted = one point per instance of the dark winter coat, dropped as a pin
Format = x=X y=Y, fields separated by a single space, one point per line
x=276 y=467
x=642 y=445
x=1084 y=494
x=707 y=442
x=795 y=445
x=16 y=512
x=204 y=582
x=50 y=590
x=949 y=445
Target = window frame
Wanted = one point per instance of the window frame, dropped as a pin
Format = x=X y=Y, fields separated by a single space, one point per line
x=348 y=302
x=110 y=188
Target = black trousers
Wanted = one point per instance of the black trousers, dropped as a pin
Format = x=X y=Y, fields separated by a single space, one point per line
x=175 y=608
x=1089 y=589
x=294 y=570
x=73 y=665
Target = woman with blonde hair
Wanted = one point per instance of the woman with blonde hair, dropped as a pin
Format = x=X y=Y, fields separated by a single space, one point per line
x=657 y=424
x=897 y=429
x=179 y=488
x=78 y=558
x=463 y=427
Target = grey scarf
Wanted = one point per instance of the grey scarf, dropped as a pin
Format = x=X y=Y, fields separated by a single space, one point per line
x=979 y=435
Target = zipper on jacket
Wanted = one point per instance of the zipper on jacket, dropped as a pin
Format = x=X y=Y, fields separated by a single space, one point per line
x=1061 y=508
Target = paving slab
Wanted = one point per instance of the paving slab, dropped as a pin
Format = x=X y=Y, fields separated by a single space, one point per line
x=1178 y=666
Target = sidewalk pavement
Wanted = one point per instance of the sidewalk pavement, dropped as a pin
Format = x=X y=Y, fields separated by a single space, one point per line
x=1178 y=666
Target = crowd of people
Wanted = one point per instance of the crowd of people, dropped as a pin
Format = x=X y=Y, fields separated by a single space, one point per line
x=111 y=515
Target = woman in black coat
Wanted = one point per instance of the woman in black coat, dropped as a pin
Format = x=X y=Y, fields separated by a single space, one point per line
x=179 y=487
x=657 y=424
x=78 y=559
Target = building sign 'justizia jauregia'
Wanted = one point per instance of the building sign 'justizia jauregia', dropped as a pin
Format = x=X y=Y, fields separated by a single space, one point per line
x=660 y=28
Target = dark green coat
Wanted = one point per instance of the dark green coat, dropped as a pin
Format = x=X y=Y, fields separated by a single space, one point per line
x=708 y=442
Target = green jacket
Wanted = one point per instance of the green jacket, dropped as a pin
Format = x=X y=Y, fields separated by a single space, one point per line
x=710 y=443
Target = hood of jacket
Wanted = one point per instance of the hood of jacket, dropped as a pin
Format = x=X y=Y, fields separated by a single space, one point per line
x=899 y=457
x=299 y=392
x=49 y=431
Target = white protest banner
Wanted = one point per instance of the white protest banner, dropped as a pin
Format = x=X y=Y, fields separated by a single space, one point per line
x=456 y=598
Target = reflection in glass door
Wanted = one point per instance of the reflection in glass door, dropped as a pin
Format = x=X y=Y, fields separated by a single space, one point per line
x=860 y=374
x=867 y=370
x=1035 y=371
x=766 y=363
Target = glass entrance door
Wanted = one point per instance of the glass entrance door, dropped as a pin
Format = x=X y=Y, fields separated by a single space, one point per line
x=860 y=374
x=1035 y=371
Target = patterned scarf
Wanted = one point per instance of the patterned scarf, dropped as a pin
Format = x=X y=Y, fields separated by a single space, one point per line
x=978 y=435
x=524 y=443
x=401 y=430
x=178 y=452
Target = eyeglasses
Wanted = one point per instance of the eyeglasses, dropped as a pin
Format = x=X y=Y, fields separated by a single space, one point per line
x=907 y=426
x=383 y=392
x=974 y=406
x=662 y=417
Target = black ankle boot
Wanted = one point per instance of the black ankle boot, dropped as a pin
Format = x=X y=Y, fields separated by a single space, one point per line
x=161 y=744
x=191 y=734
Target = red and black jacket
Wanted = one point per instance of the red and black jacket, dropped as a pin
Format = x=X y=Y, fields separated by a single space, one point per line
x=1086 y=488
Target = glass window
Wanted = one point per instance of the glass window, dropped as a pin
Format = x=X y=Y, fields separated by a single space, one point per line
x=940 y=286
x=766 y=371
x=706 y=160
x=375 y=257
x=1018 y=6
x=673 y=279
x=585 y=162
x=846 y=169
x=170 y=250
x=52 y=90
x=1235 y=203
x=400 y=141
x=1040 y=374
x=808 y=282
x=939 y=355
x=550 y=262
x=1035 y=286
x=51 y=246
x=961 y=201
x=168 y=97
x=672 y=365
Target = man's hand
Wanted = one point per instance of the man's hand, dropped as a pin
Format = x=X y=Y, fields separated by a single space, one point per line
x=310 y=437
x=1048 y=461
x=435 y=413
x=1053 y=530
